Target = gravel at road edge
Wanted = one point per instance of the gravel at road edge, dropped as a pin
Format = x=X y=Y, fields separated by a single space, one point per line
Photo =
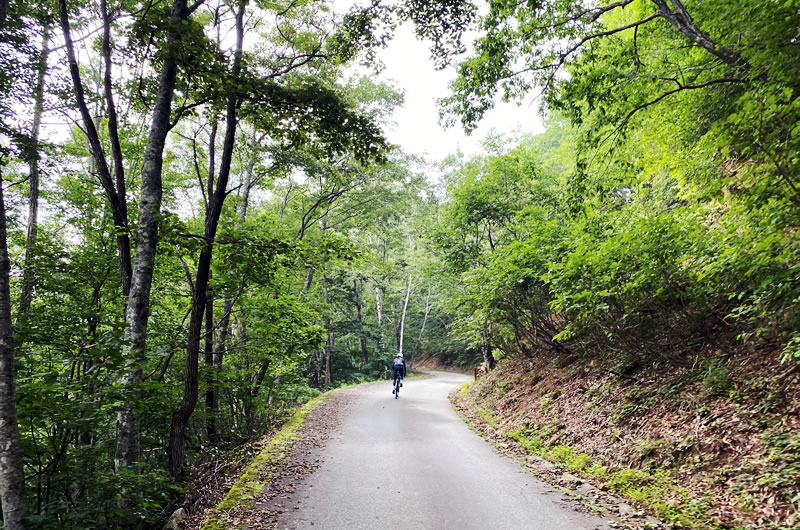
x=322 y=424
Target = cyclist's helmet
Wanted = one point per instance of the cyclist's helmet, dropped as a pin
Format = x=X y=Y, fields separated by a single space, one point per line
x=399 y=355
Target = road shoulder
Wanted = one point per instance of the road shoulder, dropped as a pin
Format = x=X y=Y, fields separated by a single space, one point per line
x=300 y=459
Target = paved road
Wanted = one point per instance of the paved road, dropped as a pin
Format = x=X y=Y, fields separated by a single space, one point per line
x=413 y=463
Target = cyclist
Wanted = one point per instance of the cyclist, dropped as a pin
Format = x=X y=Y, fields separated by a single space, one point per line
x=399 y=369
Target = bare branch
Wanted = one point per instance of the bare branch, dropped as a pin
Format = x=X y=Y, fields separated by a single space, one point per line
x=197 y=4
x=682 y=21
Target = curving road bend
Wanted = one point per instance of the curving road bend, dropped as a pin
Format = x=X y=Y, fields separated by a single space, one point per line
x=413 y=463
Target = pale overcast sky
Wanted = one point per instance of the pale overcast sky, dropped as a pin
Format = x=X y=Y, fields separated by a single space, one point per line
x=417 y=127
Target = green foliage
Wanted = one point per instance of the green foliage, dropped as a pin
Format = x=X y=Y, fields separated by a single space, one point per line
x=644 y=272
x=716 y=377
x=675 y=213
x=782 y=451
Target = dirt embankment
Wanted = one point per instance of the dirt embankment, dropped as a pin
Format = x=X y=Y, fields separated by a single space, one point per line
x=431 y=363
x=711 y=445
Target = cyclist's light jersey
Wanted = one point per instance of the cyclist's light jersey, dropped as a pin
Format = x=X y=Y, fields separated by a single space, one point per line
x=399 y=365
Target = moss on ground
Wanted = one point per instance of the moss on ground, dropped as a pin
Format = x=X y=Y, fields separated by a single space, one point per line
x=264 y=468
x=657 y=490
x=269 y=462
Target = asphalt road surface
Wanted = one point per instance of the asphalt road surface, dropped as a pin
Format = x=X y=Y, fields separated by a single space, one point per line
x=413 y=463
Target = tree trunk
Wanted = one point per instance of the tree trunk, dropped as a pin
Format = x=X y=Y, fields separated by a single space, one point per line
x=396 y=331
x=307 y=284
x=329 y=338
x=211 y=425
x=328 y=353
x=181 y=415
x=424 y=320
x=120 y=200
x=486 y=351
x=379 y=304
x=138 y=310
x=26 y=296
x=262 y=373
x=114 y=192
x=403 y=316
x=253 y=391
x=362 y=338
x=12 y=480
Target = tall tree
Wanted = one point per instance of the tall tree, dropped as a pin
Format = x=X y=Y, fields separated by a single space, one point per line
x=33 y=177
x=12 y=480
x=112 y=180
x=403 y=316
x=138 y=309
x=136 y=278
x=181 y=415
x=362 y=337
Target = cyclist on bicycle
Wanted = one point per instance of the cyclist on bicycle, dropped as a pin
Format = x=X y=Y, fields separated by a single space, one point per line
x=399 y=368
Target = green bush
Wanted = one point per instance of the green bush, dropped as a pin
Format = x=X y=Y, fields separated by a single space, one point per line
x=716 y=377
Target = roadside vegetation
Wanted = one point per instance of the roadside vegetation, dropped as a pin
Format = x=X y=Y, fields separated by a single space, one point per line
x=662 y=438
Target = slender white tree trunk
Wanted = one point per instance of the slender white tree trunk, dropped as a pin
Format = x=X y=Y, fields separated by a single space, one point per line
x=379 y=304
x=403 y=314
x=362 y=338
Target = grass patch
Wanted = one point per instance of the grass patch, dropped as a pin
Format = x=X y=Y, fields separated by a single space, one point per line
x=658 y=491
x=716 y=377
x=566 y=456
x=783 y=455
x=624 y=410
x=487 y=416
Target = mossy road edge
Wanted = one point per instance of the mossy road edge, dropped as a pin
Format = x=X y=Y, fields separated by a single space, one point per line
x=264 y=468
x=268 y=463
